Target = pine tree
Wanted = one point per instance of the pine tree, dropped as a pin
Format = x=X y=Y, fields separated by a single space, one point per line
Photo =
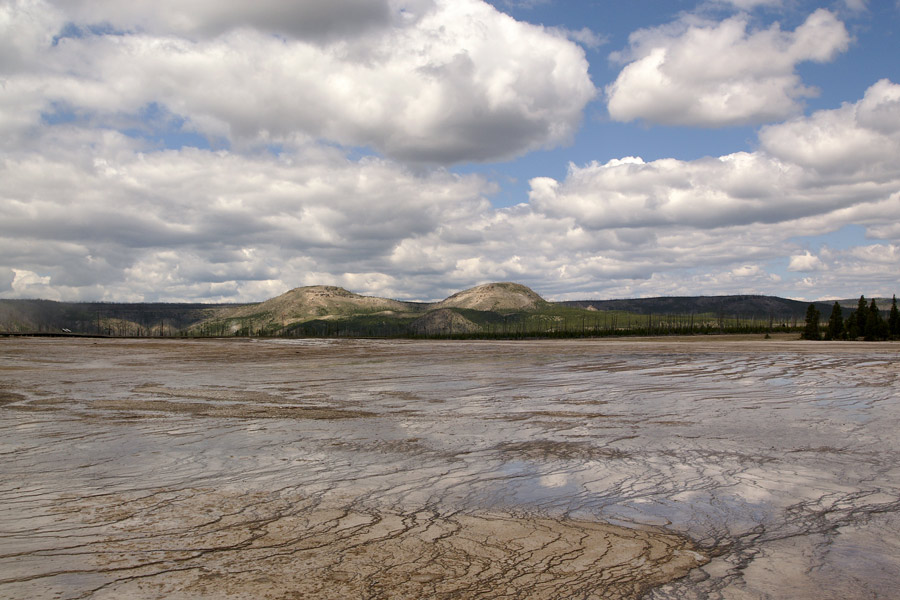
x=835 y=323
x=894 y=319
x=811 y=330
x=875 y=326
x=862 y=312
x=851 y=329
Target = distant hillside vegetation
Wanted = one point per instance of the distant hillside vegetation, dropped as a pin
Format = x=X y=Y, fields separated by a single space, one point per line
x=747 y=305
x=502 y=309
x=104 y=318
x=443 y=321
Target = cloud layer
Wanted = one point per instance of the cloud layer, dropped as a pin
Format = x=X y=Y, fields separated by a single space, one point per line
x=329 y=149
x=124 y=223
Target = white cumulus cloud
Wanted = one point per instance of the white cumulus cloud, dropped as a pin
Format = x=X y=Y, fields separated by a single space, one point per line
x=805 y=262
x=714 y=74
x=457 y=81
x=835 y=160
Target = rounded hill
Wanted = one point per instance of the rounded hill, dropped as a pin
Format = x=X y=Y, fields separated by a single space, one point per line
x=322 y=301
x=495 y=296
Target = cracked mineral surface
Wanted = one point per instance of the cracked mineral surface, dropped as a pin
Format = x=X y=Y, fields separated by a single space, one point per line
x=658 y=468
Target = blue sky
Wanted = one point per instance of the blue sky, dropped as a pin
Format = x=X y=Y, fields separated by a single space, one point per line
x=226 y=151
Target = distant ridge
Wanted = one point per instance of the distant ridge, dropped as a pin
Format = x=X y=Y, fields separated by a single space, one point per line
x=738 y=304
x=499 y=308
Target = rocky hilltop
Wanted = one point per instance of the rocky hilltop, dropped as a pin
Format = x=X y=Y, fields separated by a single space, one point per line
x=319 y=301
x=495 y=296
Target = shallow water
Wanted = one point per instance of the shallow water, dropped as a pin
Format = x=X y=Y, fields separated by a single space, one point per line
x=699 y=468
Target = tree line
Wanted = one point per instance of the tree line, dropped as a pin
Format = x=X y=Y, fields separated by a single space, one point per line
x=865 y=322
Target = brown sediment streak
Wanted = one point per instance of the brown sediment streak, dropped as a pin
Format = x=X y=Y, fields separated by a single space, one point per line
x=206 y=543
x=231 y=410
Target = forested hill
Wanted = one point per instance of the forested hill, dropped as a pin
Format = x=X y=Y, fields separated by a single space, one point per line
x=142 y=318
x=495 y=308
x=748 y=306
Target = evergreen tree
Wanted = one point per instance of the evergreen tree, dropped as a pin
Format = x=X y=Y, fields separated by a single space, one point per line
x=862 y=312
x=811 y=330
x=875 y=326
x=835 y=323
x=894 y=319
x=851 y=329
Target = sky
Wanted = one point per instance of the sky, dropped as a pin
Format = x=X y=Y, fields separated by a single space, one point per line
x=228 y=151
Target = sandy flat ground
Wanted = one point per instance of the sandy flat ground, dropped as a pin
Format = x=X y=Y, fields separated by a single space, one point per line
x=701 y=467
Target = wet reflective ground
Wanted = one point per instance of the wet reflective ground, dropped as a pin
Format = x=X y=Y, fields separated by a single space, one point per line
x=701 y=468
